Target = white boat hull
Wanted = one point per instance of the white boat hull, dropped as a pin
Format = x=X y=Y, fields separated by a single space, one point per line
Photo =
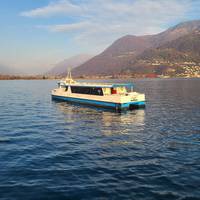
x=117 y=102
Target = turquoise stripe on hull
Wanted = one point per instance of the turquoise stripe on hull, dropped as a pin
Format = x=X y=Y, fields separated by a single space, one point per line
x=116 y=106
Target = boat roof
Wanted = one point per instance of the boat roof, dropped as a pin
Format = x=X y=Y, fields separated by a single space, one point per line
x=102 y=85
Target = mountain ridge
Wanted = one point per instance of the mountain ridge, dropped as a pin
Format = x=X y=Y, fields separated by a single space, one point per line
x=6 y=70
x=124 y=53
x=72 y=62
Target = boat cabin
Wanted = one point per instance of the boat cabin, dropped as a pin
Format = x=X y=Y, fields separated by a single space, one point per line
x=97 y=89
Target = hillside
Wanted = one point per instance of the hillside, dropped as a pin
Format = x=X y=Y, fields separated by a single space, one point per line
x=114 y=57
x=62 y=67
x=141 y=54
x=177 y=57
x=185 y=48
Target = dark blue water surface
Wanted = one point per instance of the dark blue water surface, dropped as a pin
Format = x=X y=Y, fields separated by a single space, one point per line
x=54 y=150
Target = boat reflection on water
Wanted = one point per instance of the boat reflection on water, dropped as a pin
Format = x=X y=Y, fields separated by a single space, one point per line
x=122 y=123
x=100 y=120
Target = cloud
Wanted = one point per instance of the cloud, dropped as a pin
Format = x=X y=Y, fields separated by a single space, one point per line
x=67 y=27
x=54 y=8
x=98 y=23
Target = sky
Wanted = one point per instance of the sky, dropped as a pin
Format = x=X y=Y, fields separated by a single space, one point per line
x=37 y=34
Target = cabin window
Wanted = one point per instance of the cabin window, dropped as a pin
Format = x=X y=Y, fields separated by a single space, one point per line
x=87 y=90
x=106 y=91
x=121 y=90
x=65 y=87
x=113 y=91
x=129 y=89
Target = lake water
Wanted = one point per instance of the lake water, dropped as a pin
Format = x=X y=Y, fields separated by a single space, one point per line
x=51 y=150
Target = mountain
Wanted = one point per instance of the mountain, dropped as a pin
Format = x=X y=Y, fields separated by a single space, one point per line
x=178 y=56
x=61 y=68
x=6 y=70
x=139 y=53
x=185 y=48
x=114 y=57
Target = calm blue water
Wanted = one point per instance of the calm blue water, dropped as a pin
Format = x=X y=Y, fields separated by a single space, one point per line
x=51 y=150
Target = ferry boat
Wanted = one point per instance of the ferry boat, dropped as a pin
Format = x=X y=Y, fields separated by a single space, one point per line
x=117 y=96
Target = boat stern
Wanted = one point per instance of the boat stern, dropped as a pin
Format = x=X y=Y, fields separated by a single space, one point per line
x=132 y=101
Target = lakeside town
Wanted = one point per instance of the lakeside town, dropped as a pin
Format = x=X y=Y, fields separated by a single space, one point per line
x=185 y=70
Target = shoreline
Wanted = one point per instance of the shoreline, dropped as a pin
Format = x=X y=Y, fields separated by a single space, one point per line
x=10 y=77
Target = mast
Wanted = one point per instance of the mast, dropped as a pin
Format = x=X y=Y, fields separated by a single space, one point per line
x=69 y=77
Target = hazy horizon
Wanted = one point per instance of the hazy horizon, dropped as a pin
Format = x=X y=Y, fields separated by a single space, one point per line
x=36 y=35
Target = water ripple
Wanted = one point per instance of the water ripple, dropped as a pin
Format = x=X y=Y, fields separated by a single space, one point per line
x=55 y=150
